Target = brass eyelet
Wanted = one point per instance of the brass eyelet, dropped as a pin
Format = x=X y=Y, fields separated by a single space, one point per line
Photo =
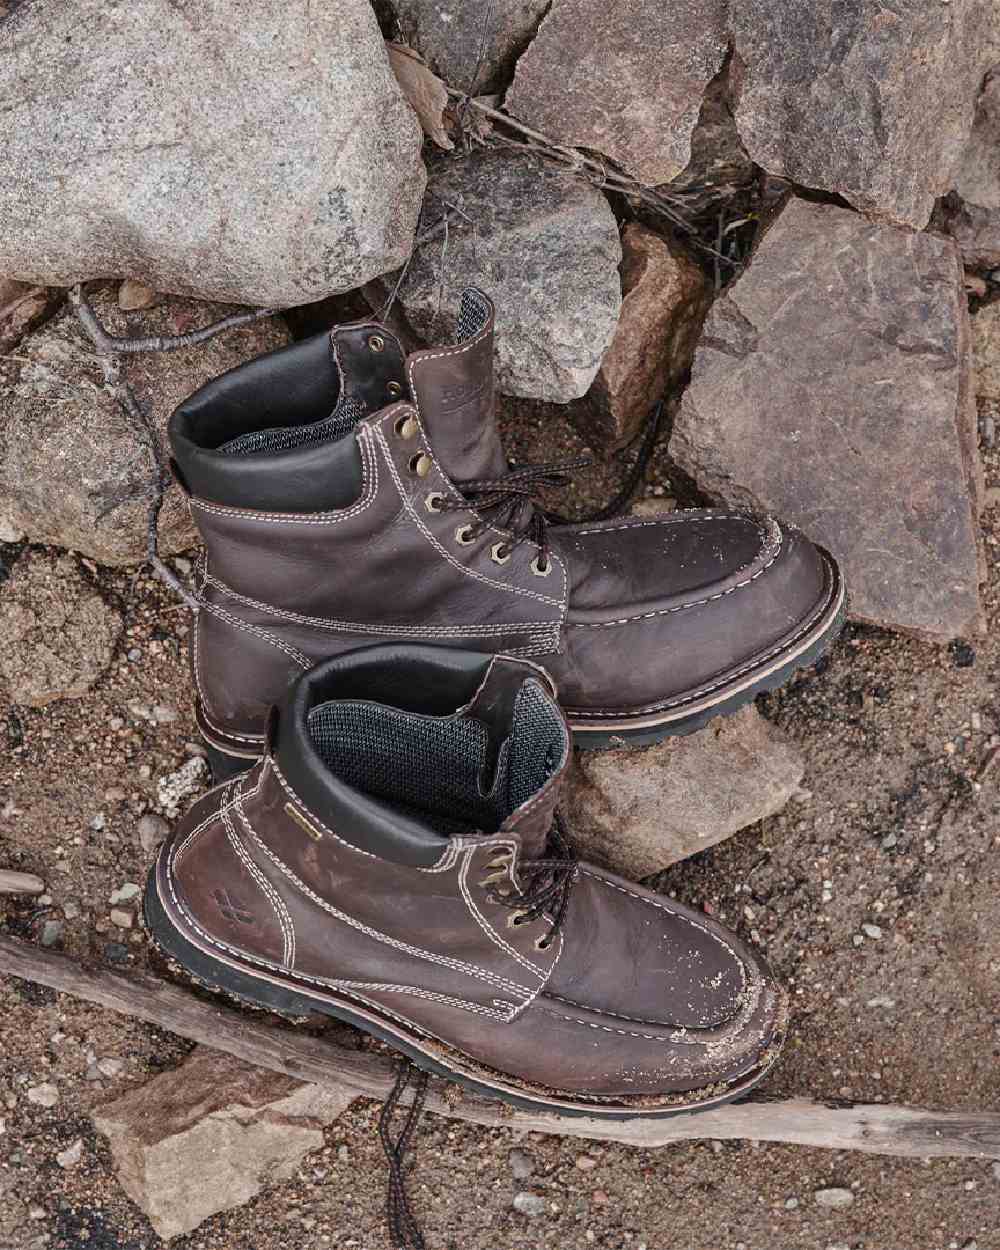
x=433 y=501
x=516 y=919
x=406 y=426
x=420 y=464
x=376 y=343
x=539 y=569
x=463 y=537
x=500 y=553
x=395 y=389
x=543 y=943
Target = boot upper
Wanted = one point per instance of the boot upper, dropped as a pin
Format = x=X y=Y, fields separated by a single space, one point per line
x=333 y=516
x=381 y=852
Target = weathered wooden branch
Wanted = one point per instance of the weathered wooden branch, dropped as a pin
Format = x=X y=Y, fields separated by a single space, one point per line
x=12 y=882
x=872 y=1128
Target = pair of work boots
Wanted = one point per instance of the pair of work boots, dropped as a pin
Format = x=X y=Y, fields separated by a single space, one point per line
x=406 y=645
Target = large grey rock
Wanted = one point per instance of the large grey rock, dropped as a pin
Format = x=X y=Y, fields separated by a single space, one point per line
x=255 y=153
x=625 y=79
x=57 y=635
x=73 y=469
x=544 y=246
x=832 y=386
x=640 y=810
x=974 y=222
x=451 y=34
x=211 y=1135
x=873 y=102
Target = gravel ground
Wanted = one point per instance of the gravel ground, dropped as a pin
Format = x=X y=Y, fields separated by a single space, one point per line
x=876 y=896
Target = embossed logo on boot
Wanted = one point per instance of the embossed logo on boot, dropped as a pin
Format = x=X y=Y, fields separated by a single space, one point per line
x=460 y=394
x=231 y=907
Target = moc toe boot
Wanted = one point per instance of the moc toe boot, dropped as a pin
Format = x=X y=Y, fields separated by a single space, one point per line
x=348 y=494
x=395 y=860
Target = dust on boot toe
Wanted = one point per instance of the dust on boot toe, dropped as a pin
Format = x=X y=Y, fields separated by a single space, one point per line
x=395 y=860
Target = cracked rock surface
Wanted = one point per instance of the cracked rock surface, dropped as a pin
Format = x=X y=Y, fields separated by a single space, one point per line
x=73 y=469
x=832 y=386
x=633 y=93
x=974 y=222
x=544 y=246
x=235 y=151
x=57 y=634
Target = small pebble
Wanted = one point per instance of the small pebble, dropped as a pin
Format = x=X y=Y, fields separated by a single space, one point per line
x=858 y=940
x=881 y=1000
x=521 y=1164
x=110 y=1067
x=834 y=1197
x=343 y=1154
x=996 y=1171
x=164 y=715
x=873 y=931
x=97 y=824
x=529 y=1204
x=36 y=1213
x=45 y=1095
x=791 y=1204
x=599 y=1198
x=52 y=932
x=889 y=841
x=70 y=1157
x=124 y=892
x=585 y=1163
x=116 y=952
x=71 y=910
x=121 y=918
x=152 y=830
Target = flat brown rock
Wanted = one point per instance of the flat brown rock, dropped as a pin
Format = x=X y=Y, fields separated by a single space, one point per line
x=638 y=810
x=624 y=79
x=664 y=301
x=211 y=1135
x=832 y=387
x=974 y=221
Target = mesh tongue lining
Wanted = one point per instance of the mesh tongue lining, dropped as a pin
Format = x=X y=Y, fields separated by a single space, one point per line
x=429 y=766
x=473 y=314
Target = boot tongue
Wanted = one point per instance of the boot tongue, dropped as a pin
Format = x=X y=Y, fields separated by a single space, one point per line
x=453 y=390
x=527 y=748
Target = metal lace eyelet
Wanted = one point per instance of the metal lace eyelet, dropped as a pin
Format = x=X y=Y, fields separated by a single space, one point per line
x=500 y=553
x=539 y=569
x=433 y=501
x=376 y=343
x=516 y=918
x=406 y=426
x=544 y=942
x=395 y=389
x=420 y=464
x=464 y=536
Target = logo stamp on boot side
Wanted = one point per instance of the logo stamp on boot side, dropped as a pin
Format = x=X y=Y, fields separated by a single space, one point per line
x=233 y=908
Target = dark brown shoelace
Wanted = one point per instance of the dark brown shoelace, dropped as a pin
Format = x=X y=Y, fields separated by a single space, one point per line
x=545 y=883
x=545 y=889
x=509 y=503
x=403 y=1227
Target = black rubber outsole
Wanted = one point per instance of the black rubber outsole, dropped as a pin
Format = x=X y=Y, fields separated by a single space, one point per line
x=255 y=992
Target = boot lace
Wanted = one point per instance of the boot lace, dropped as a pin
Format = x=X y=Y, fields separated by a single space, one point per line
x=509 y=503
x=545 y=885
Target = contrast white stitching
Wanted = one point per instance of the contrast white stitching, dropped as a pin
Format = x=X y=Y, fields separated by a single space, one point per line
x=266 y=888
x=263 y=634
x=480 y=919
x=723 y=681
x=694 y=603
x=442 y=551
x=369 y=475
x=456 y=965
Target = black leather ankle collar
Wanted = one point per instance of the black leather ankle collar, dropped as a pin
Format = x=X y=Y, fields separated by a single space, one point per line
x=435 y=681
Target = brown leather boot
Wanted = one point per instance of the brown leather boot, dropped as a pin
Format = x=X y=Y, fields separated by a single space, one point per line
x=394 y=860
x=347 y=494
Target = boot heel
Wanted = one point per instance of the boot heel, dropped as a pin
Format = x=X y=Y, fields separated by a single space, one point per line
x=223 y=765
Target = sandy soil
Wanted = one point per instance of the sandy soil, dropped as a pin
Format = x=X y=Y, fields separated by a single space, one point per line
x=900 y=831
